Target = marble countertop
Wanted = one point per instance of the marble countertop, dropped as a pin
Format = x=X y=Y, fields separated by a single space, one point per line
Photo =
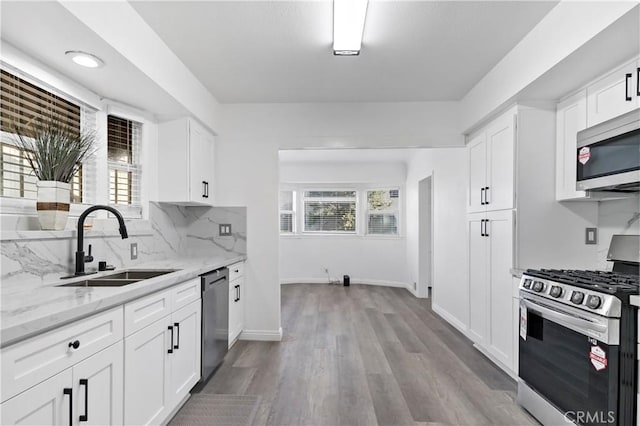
x=635 y=300
x=33 y=308
x=516 y=272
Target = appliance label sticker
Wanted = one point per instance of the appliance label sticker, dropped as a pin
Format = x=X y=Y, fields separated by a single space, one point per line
x=523 y=322
x=598 y=358
x=584 y=154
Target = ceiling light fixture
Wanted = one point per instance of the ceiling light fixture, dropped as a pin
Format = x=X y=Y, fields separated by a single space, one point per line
x=85 y=59
x=348 y=26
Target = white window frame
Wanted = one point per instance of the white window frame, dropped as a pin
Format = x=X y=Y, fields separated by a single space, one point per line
x=303 y=199
x=135 y=167
x=292 y=212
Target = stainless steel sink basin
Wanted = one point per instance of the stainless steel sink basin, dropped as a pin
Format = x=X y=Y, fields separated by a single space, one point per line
x=139 y=274
x=100 y=282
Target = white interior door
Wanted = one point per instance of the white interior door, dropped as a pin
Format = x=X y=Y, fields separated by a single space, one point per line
x=425 y=243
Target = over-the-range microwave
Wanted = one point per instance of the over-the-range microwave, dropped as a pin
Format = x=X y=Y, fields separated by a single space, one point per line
x=608 y=155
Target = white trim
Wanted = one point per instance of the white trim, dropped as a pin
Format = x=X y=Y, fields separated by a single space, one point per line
x=455 y=322
x=261 y=335
x=364 y=281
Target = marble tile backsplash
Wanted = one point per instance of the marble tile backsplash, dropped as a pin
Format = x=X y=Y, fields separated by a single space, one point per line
x=616 y=217
x=171 y=231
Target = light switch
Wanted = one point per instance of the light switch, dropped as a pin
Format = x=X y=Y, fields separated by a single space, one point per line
x=591 y=236
x=224 y=229
x=134 y=251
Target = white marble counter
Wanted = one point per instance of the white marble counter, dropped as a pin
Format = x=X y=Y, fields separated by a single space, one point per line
x=635 y=301
x=516 y=272
x=33 y=308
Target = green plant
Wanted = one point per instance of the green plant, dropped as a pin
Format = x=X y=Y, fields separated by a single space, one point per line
x=55 y=151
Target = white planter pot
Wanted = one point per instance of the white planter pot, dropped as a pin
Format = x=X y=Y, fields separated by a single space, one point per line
x=53 y=204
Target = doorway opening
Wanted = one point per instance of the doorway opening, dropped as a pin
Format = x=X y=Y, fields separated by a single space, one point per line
x=425 y=237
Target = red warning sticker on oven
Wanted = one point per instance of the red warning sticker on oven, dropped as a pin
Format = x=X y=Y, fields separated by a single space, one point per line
x=584 y=155
x=598 y=358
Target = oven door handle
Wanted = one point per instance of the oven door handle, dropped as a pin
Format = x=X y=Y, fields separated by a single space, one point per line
x=581 y=325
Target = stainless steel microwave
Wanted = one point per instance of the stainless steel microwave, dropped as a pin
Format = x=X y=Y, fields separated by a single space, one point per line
x=608 y=155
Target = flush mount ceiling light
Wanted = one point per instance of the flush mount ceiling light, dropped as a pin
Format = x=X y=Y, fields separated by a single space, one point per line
x=348 y=26
x=85 y=59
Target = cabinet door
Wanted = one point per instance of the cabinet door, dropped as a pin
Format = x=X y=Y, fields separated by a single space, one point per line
x=500 y=160
x=200 y=164
x=146 y=368
x=477 y=173
x=185 y=359
x=44 y=404
x=477 y=277
x=500 y=230
x=612 y=95
x=571 y=117
x=236 y=309
x=98 y=384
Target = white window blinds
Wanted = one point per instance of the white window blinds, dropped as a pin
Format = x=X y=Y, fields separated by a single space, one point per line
x=383 y=211
x=124 y=138
x=287 y=212
x=330 y=211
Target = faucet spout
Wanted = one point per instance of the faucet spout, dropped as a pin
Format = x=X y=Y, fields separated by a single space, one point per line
x=80 y=257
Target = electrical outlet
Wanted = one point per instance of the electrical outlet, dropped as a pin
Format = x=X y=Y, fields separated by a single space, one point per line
x=224 y=229
x=134 y=251
x=591 y=236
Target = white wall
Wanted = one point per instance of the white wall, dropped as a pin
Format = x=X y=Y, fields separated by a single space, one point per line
x=448 y=168
x=247 y=168
x=366 y=259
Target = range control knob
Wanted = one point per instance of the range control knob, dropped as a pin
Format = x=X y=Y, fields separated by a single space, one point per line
x=594 y=301
x=527 y=283
x=577 y=297
x=538 y=286
x=556 y=291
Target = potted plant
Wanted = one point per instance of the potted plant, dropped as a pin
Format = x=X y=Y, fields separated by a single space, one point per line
x=55 y=151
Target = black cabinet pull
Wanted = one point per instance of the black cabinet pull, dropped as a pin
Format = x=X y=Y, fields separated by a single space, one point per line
x=482 y=196
x=69 y=391
x=486 y=227
x=207 y=187
x=638 y=82
x=204 y=189
x=627 y=77
x=486 y=195
x=482 y=227
x=84 y=417
x=170 y=350
x=238 y=292
x=75 y=344
x=177 y=325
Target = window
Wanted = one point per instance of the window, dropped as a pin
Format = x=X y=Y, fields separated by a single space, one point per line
x=22 y=102
x=382 y=211
x=123 y=141
x=287 y=212
x=330 y=211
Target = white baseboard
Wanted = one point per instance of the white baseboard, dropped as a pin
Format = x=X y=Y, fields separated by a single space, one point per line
x=353 y=281
x=455 y=322
x=262 y=335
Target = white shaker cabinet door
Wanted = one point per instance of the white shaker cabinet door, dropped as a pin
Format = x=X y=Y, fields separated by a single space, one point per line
x=613 y=95
x=571 y=117
x=44 y=404
x=477 y=173
x=478 y=289
x=499 y=193
x=185 y=359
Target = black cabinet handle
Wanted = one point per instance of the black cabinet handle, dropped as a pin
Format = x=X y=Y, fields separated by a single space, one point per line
x=177 y=325
x=482 y=196
x=238 y=292
x=627 y=77
x=85 y=416
x=482 y=227
x=69 y=391
x=486 y=227
x=75 y=344
x=204 y=189
x=207 y=186
x=170 y=350
x=236 y=271
x=486 y=195
x=638 y=82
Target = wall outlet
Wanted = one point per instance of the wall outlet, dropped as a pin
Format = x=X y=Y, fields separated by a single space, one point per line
x=591 y=236
x=224 y=229
x=134 y=251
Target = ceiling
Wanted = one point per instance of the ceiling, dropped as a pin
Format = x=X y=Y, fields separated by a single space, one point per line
x=280 y=51
x=45 y=30
x=346 y=155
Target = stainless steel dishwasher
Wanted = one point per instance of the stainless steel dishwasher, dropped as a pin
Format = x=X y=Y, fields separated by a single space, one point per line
x=215 y=320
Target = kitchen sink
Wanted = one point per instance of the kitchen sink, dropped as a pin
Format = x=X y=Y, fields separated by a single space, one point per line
x=139 y=274
x=121 y=278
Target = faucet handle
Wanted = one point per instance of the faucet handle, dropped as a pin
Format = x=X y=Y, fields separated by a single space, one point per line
x=88 y=258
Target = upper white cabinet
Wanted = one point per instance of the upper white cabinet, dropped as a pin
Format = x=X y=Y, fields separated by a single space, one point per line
x=614 y=94
x=571 y=117
x=491 y=166
x=185 y=163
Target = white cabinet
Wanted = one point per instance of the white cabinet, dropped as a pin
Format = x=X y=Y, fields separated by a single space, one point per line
x=491 y=166
x=236 y=302
x=490 y=290
x=571 y=117
x=185 y=163
x=614 y=94
x=162 y=360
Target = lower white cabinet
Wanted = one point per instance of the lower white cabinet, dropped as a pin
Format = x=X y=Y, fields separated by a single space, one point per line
x=490 y=283
x=236 y=301
x=88 y=393
x=162 y=364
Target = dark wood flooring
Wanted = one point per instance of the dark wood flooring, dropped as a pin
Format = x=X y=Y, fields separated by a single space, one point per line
x=367 y=355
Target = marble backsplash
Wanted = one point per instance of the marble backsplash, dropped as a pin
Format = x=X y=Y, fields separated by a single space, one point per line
x=616 y=217
x=171 y=231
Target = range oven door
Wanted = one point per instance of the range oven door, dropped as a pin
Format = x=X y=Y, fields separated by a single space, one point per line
x=570 y=358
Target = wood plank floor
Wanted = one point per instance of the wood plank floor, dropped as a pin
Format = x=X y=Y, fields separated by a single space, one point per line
x=367 y=355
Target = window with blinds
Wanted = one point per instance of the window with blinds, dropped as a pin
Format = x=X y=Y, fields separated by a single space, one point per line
x=287 y=212
x=330 y=211
x=383 y=211
x=123 y=140
x=21 y=103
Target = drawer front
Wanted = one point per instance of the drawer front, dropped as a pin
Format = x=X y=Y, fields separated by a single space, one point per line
x=32 y=361
x=185 y=293
x=236 y=270
x=143 y=312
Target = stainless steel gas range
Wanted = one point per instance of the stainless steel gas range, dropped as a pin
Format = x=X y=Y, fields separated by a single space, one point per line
x=578 y=341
